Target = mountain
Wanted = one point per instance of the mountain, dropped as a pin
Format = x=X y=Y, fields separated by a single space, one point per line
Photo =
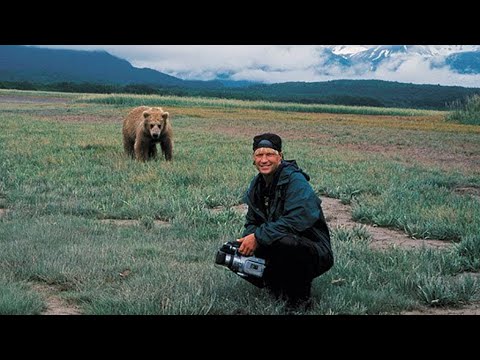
x=460 y=58
x=32 y=64
x=464 y=63
x=382 y=52
x=346 y=50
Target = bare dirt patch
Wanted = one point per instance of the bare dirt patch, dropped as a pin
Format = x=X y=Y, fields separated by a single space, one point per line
x=3 y=212
x=470 y=309
x=340 y=215
x=469 y=190
x=55 y=304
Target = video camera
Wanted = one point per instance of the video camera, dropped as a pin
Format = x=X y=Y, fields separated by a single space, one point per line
x=250 y=268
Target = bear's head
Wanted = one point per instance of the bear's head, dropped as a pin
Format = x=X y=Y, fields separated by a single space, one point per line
x=155 y=121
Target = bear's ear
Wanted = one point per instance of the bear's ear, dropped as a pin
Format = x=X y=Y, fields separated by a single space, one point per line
x=165 y=115
x=146 y=114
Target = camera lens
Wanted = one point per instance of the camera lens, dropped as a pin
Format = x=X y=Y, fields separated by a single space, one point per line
x=220 y=258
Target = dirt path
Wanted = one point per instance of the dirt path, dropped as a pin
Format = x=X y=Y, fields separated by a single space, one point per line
x=55 y=304
x=472 y=309
x=340 y=215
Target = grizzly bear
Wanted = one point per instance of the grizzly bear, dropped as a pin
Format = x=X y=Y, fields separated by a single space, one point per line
x=143 y=128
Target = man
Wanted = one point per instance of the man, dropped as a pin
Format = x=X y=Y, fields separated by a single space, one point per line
x=285 y=224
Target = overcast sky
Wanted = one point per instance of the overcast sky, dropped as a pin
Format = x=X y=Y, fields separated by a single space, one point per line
x=269 y=63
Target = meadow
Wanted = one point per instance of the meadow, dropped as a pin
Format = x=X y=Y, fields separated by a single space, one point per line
x=107 y=235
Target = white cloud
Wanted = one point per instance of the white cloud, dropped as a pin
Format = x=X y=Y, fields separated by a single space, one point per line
x=271 y=63
x=419 y=71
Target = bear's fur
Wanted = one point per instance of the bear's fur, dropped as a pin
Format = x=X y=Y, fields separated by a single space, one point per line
x=143 y=128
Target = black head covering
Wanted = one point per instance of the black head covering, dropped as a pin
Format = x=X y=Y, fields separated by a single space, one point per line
x=267 y=140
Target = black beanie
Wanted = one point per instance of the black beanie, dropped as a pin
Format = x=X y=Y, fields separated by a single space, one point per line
x=267 y=140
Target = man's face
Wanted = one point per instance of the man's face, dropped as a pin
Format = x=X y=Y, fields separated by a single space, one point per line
x=267 y=160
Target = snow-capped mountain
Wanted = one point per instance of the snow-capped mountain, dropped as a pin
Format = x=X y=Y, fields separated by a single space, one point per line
x=378 y=51
x=347 y=50
x=460 y=58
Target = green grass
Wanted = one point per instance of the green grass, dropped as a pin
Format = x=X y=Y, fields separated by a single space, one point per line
x=17 y=298
x=62 y=170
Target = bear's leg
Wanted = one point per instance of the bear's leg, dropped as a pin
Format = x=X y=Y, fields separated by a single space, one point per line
x=128 y=146
x=152 y=152
x=141 y=151
x=167 y=148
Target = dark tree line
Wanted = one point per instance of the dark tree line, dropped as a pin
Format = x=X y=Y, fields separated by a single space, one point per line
x=340 y=92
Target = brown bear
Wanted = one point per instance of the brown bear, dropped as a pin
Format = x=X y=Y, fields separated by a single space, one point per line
x=143 y=128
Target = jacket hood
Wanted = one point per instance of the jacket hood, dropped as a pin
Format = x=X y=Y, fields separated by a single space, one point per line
x=289 y=167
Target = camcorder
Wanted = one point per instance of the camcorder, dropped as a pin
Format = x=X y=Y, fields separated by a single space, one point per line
x=250 y=268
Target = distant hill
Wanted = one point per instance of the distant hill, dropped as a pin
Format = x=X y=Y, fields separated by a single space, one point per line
x=465 y=63
x=39 y=65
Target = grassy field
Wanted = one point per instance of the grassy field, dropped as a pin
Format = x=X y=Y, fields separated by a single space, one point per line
x=114 y=236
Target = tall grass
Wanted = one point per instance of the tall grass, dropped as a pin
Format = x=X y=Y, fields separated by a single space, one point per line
x=154 y=100
x=467 y=112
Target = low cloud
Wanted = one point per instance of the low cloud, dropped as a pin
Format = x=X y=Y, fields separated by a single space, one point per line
x=425 y=71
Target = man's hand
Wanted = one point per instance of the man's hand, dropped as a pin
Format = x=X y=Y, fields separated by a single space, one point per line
x=248 y=245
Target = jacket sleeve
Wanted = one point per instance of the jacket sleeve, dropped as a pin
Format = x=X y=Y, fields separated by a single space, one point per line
x=301 y=211
x=251 y=223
